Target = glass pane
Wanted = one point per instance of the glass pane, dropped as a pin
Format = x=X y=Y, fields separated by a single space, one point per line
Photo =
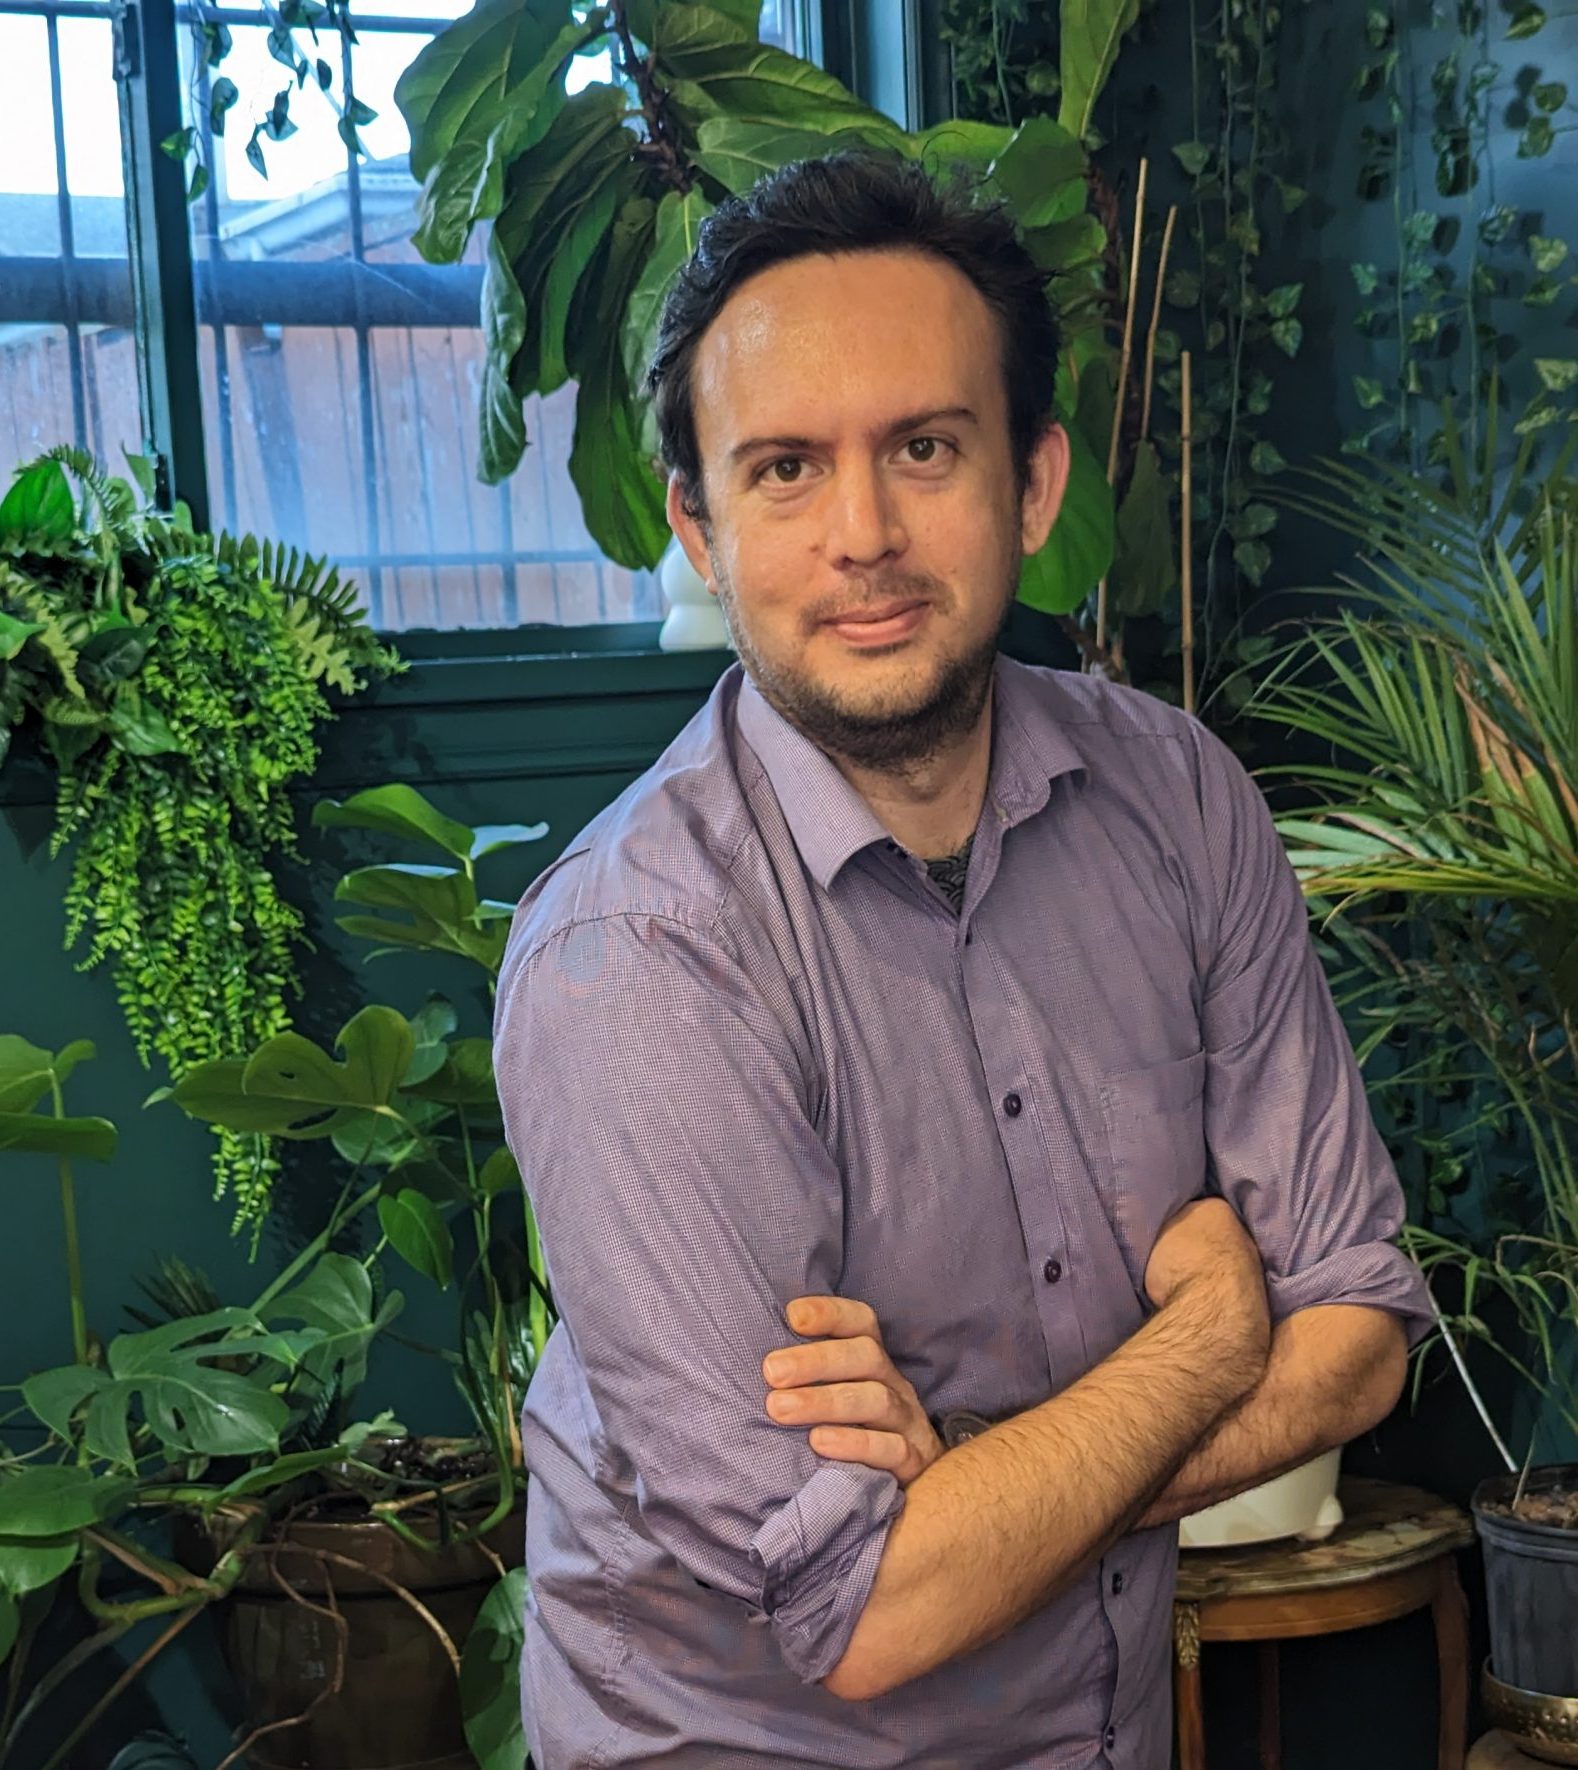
x=55 y=388
x=68 y=370
x=779 y=25
x=29 y=207
x=91 y=113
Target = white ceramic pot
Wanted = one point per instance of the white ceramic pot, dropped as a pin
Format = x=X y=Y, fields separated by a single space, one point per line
x=1302 y=1503
x=695 y=622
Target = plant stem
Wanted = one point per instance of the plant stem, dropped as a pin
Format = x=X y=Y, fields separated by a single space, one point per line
x=338 y=1218
x=132 y=1672
x=660 y=145
x=68 y=1212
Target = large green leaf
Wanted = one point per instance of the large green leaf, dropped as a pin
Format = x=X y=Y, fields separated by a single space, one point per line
x=50 y=1500
x=10 y=1622
x=959 y=143
x=490 y=1691
x=28 y=1564
x=741 y=18
x=548 y=303
x=192 y=1406
x=55 y=1395
x=679 y=220
x=1040 y=174
x=1090 y=31
x=495 y=64
x=336 y=1299
x=27 y=1071
x=291 y=1087
x=737 y=153
x=710 y=72
x=396 y=810
x=622 y=498
x=39 y=507
x=33 y=1133
x=502 y=434
x=418 y=1234
x=466 y=1078
x=1145 y=559
x=489 y=838
x=1079 y=549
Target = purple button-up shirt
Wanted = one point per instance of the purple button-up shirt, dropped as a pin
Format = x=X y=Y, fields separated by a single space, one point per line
x=746 y=1053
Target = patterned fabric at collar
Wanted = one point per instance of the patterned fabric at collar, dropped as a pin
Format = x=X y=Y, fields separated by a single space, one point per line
x=829 y=820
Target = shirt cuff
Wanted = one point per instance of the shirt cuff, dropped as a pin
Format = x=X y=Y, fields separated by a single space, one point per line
x=819 y=1554
x=1373 y=1275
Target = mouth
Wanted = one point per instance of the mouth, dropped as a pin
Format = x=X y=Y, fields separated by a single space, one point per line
x=885 y=624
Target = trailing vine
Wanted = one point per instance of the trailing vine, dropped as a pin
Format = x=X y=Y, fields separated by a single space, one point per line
x=1448 y=318
x=175 y=681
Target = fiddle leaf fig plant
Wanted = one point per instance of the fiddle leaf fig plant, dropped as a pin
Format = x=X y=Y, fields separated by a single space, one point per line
x=593 y=199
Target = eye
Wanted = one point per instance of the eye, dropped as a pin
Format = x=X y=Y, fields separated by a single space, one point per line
x=787 y=470
x=923 y=451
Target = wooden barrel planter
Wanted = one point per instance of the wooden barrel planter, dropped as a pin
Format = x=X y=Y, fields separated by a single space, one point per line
x=375 y=1689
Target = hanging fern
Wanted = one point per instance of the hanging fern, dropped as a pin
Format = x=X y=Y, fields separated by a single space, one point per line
x=176 y=681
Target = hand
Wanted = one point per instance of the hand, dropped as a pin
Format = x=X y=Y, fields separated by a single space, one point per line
x=1205 y=1246
x=847 y=1389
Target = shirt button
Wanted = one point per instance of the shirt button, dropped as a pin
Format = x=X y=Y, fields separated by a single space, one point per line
x=1013 y=1105
x=1117 y=1585
x=1110 y=1738
x=1052 y=1271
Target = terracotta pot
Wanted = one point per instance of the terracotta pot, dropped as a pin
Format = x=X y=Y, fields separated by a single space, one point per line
x=397 y=1706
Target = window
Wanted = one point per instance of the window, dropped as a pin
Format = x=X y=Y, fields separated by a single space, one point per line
x=339 y=372
x=68 y=361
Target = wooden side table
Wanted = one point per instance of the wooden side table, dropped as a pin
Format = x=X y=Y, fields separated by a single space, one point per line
x=1394 y=1553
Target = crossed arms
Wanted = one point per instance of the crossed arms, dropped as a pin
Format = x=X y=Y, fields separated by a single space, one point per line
x=1203 y=1402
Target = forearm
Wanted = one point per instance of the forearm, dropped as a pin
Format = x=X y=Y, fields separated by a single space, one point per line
x=1333 y=1373
x=994 y=1529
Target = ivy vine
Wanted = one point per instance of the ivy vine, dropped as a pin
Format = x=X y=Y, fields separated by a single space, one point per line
x=1447 y=318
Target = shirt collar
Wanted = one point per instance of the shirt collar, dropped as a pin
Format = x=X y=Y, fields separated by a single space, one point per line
x=829 y=820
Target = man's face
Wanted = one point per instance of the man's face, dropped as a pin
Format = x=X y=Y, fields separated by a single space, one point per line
x=864 y=527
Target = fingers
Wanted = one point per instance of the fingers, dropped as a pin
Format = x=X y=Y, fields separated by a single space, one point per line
x=828 y=1361
x=858 y=1444
x=832 y=1318
x=855 y=1404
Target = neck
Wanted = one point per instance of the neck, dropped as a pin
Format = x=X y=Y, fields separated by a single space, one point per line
x=933 y=807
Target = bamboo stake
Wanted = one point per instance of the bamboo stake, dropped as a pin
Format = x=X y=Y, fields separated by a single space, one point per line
x=1186 y=530
x=1124 y=359
x=1156 y=321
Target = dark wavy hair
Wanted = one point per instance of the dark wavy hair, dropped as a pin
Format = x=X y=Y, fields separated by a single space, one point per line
x=855 y=201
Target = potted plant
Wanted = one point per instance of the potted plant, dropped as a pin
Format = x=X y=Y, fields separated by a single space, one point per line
x=217 y=1412
x=1447 y=692
x=411 y=1108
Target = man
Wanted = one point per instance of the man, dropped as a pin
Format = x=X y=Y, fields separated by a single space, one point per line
x=961 y=1014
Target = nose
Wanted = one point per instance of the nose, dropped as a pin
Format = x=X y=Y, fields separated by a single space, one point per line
x=866 y=527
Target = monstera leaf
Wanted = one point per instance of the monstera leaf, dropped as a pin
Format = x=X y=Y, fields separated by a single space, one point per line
x=290 y=1087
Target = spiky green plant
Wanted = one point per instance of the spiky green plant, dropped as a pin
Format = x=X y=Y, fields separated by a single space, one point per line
x=1446 y=695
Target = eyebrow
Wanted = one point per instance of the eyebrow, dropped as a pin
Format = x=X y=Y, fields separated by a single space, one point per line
x=912 y=421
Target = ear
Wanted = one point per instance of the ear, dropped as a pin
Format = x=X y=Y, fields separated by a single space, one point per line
x=690 y=534
x=1044 y=488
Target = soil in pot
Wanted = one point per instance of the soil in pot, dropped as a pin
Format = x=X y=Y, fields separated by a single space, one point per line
x=1531 y=1578
x=318 y=1628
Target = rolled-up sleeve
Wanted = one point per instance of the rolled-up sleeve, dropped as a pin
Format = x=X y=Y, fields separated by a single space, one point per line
x=1288 y=1127
x=661 y=1116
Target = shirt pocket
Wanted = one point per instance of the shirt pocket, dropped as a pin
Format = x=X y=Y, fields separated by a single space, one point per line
x=1156 y=1139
